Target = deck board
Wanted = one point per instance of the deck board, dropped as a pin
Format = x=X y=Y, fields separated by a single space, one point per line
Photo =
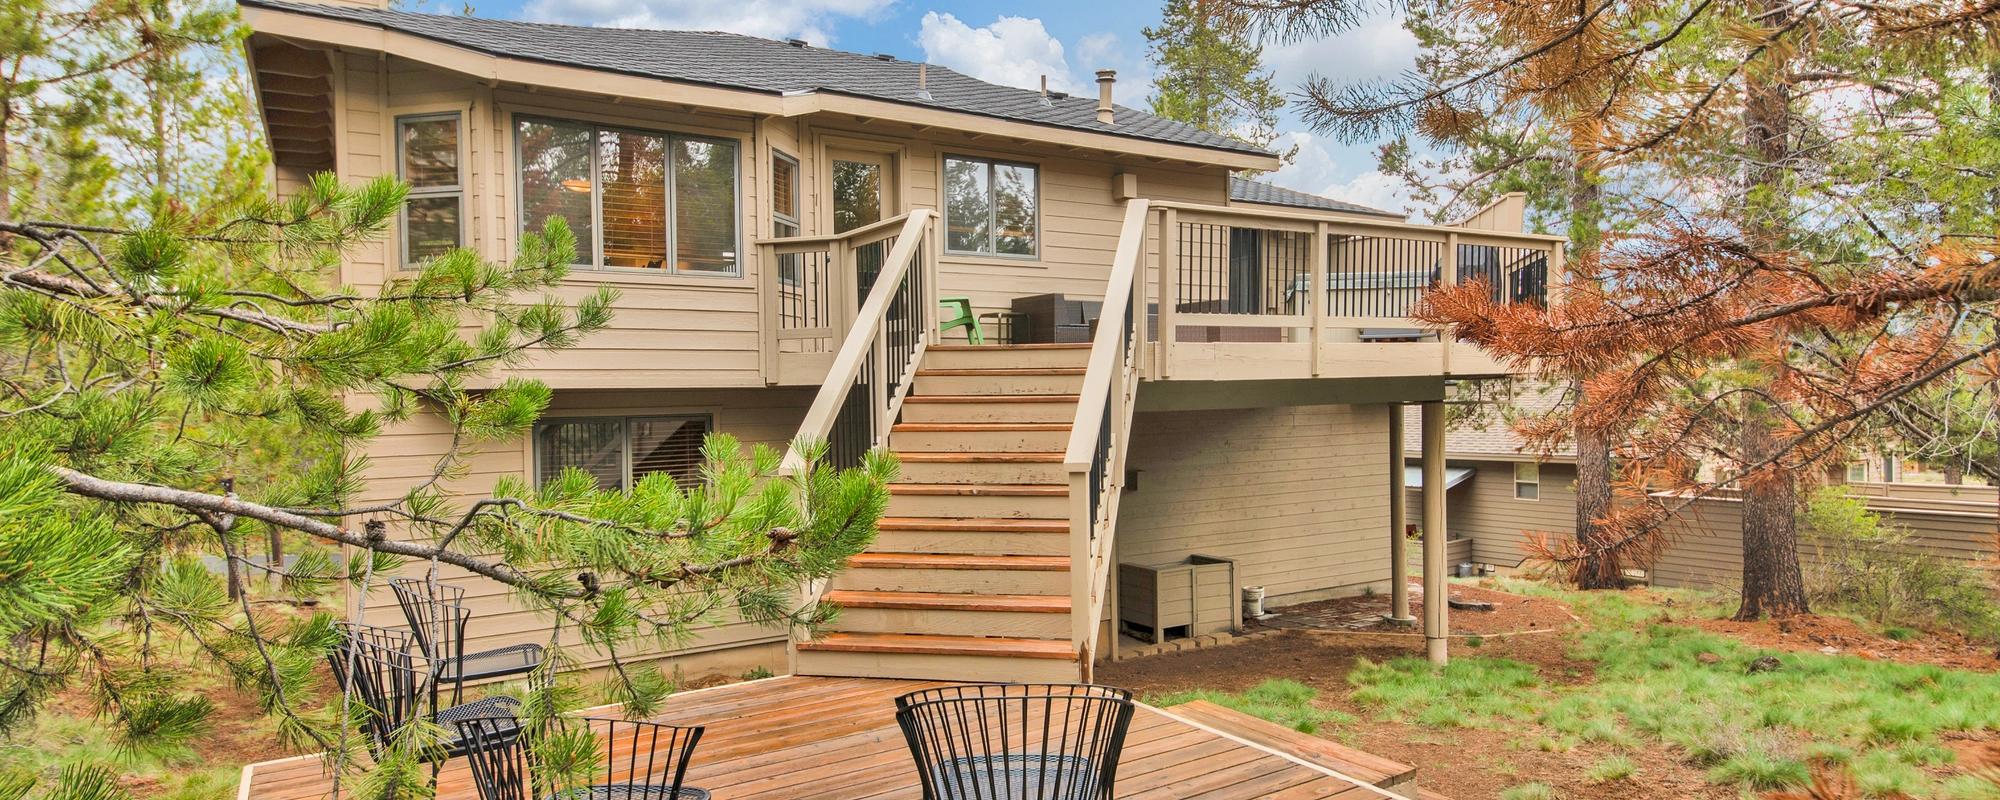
x=794 y=738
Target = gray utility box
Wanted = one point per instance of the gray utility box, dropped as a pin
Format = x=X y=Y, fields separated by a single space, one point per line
x=1197 y=593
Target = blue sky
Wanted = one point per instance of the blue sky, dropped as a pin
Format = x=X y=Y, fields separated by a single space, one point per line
x=1016 y=43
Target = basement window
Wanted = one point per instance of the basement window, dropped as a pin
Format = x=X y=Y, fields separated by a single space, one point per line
x=427 y=160
x=620 y=451
x=1527 y=480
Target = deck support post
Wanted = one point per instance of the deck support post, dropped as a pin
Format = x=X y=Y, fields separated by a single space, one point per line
x=1399 y=543
x=1437 y=593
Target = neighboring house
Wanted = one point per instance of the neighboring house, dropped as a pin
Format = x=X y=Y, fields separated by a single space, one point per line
x=1498 y=491
x=782 y=220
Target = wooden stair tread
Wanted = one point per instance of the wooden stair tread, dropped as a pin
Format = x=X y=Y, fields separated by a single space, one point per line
x=989 y=398
x=981 y=489
x=1326 y=753
x=963 y=348
x=954 y=561
x=974 y=524
x=947 y=427
x=941 y=601
x=981 y=457
x=925 y=644
x=999 y=371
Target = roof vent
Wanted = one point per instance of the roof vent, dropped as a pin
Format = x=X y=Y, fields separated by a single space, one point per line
x=1105 y=78
x=884 y=57
x=923 y=81
x=796 y=42
x=1059 y=95
x=1045 y=92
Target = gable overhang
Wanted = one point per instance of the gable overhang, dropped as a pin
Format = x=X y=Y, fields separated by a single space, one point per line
x=1332 y=214
x=495 y=70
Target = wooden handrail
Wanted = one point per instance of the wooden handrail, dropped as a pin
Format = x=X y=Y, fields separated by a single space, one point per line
x=856 y=347
x=1105 y=351
x=1383 y=225
x=847 y=235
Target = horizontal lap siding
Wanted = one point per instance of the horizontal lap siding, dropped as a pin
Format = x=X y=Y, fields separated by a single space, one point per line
x=405 y=455
x=1484 y=509
x=1707 y=545
x=1297 y=495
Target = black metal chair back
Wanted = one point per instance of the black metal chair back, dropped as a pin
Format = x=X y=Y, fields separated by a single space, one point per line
x=1016 y=741
x=394 y=686
x=498 y=755
x=437 y=615
x=646 y=760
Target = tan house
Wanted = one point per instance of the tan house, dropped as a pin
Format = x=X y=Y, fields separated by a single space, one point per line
x=784 y=223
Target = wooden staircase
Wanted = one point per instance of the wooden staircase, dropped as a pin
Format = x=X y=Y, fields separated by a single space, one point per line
x=969 y=578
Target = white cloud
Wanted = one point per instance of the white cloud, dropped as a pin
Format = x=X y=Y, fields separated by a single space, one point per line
x=811 y=20
x=1378 y=48
x=1013 y=51
x=1326 y=168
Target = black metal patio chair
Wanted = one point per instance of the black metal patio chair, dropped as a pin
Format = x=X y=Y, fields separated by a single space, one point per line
x=437 y=615
x=397 y=686
x=640 y=760
x=1016 y=741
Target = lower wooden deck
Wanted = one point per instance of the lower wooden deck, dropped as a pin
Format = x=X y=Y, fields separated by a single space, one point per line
x=792 y=738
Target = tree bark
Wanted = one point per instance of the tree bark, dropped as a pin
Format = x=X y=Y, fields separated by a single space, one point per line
x=1593 y=447
x=1773 y=585
x=1593 y=501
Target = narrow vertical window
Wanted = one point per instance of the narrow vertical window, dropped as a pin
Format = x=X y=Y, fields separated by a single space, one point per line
x=1527 y=480
x=785 y=213
x=427 y=160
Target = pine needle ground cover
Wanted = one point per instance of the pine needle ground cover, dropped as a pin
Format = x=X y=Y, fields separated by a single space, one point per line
x=1624 y=702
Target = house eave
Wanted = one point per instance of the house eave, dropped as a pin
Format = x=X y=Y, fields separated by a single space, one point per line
x=498 y=69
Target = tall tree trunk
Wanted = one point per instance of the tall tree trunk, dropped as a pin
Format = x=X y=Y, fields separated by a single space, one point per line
x=1773 y=584
x=1593 y=447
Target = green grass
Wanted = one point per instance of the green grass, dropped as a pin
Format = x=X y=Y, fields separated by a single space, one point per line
x=1286 y=702
x=1529 y=791
x=56 y=740
x=1611 y=769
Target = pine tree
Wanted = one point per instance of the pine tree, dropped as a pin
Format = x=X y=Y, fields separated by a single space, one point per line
x=139 y=362
x=1747 y=328
x=1210 y=72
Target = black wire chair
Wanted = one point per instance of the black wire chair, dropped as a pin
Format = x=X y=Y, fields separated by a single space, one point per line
x=641 y=761
x=396 y=687
x=437 y=615
x=1016 y=741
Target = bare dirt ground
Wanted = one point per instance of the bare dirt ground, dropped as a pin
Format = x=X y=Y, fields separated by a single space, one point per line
x=1838 y=635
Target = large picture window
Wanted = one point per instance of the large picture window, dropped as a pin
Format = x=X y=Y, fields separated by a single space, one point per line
x=992 y=207
x=634 y=199
x=619 y=451
x=427 y=160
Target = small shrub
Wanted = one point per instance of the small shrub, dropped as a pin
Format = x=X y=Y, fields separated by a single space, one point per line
x=1899 y=633
x=1876 y=571
x=757 y=673
x=1529 y=791
x=1611 y=769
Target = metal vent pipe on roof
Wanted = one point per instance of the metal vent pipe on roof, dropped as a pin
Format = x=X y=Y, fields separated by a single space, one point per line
x=1105 y=77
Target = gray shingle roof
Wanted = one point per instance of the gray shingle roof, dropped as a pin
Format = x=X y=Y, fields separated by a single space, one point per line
x=749 y=63
x=1245 y=190
x=1491 y=433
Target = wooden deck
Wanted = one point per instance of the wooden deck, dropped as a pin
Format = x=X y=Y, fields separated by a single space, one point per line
x=792 y=738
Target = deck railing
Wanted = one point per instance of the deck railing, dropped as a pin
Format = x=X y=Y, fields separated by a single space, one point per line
x=890 y=266
x=1235 y=275
x=812 y=292
x=1099 y=437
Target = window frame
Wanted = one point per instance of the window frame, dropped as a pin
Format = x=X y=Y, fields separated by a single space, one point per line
x=456 y=190
x=1535 y=481
x=596 y=248
x=1857 y=465
x=624 y=441
x=777 y=218
x=992 y=207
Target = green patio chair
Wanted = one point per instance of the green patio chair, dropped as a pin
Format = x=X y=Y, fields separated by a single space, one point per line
x=961 y=308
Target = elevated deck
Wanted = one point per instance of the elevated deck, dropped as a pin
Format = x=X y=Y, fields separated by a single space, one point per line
x=793 y=738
